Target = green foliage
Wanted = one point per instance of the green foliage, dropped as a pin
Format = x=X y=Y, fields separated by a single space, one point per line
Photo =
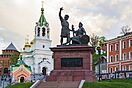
x=121 y=83
x=96 y=57
x=101 y=40
x=21 y=85
x=14 y=59
x=97 y=40
x=94 y=40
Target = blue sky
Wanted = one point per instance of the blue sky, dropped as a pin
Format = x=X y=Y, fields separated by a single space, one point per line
x=102 y=17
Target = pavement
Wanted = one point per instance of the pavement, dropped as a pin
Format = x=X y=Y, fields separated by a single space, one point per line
x=35 y=77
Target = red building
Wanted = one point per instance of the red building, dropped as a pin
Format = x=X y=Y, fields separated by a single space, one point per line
x=119 y=53
x=5 y=58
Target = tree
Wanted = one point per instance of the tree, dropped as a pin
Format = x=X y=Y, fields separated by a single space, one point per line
x=94 y=40
x=14 y=59
x=97 y=41
x=102 y=41
x=95 y=57
x=125 y=29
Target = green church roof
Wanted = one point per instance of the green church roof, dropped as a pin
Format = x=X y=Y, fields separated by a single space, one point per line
x=42 y=19
x=20 y=62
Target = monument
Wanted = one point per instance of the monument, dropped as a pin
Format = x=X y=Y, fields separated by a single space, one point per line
x=72 y=59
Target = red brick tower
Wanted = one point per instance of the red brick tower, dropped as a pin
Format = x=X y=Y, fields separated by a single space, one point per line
x=5 y=58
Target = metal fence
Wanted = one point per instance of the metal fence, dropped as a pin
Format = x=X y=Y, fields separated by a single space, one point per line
x=115 y=75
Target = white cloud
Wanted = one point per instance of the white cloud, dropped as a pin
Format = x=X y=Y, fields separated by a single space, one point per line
x=102 y=17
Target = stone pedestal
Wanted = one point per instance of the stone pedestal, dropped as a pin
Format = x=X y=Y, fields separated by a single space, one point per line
x=72 y=63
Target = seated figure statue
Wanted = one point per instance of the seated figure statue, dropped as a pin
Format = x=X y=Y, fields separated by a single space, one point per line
x=79 y=36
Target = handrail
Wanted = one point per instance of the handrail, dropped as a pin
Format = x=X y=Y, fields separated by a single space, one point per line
x=81 y=83
x=35 y=84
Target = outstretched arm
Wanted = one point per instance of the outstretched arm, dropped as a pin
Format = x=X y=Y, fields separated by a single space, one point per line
x=61 y=18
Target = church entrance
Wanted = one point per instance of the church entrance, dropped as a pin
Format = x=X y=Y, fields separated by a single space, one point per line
x=21 y=79
x=44 y=70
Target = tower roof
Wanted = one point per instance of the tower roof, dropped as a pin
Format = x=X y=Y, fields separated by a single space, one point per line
x=11 y=47
x=42 y=20
x=27 y=44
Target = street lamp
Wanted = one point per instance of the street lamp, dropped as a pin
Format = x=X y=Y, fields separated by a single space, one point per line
x=99 y=53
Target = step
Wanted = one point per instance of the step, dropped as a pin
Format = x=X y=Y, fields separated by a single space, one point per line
x=64 y=84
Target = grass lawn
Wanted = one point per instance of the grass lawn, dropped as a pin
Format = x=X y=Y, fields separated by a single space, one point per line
x=21 y=85
x=121 y=83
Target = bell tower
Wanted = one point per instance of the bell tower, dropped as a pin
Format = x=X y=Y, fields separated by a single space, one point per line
x=42 y=26
x=42 y=55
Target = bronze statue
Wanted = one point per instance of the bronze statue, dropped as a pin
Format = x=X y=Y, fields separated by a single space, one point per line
x=65 y=31
x=79 y=36
x=81 y=31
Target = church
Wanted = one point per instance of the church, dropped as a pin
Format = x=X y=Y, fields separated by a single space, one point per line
x=37 y=53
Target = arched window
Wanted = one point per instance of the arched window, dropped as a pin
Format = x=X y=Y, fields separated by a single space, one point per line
x=43 y=31
x=43 y=46
x=38 y=32
x=48 y=33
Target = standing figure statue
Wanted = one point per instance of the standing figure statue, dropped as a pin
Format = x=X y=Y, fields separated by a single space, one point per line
x=65 y=31
x=79 y=36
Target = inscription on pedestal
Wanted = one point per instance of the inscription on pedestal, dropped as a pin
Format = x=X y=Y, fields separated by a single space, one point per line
x=71 y=62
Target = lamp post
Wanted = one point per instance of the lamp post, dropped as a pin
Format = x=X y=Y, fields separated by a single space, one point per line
x=99 y=53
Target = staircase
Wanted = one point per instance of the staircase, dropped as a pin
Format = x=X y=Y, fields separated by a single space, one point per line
x=65 y=84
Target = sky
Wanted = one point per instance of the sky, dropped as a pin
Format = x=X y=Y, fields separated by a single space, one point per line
x=101 y=17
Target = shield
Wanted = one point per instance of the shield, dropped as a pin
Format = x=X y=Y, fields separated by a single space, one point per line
x=84 y=39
